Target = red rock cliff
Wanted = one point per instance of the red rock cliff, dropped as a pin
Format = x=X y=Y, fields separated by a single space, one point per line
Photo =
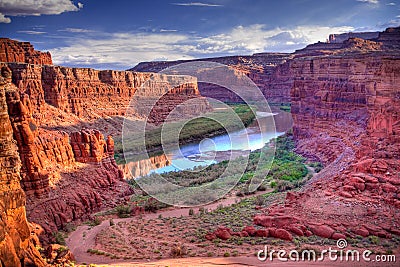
x=17 y=239
x=66 y=176
x=92 y=94
x=346 y=112
x=23 y=52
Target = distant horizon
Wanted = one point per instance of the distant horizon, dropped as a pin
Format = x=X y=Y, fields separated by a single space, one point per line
x=121 y=34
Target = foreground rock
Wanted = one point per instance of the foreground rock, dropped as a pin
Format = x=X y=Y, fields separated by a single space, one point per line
x=17 y=236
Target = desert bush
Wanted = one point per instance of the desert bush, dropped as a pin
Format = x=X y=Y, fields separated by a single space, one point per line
x=191 y=212
x=123 y=211
x=59 y=238
x=259 y=200
x=284 y=186
x=178 y=251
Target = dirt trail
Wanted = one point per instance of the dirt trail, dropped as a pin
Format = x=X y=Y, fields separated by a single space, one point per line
x=84 y=237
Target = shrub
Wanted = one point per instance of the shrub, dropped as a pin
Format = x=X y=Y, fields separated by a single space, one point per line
x=94 y=221
x=262 y=188
x=284 y=186
x=259 y=200
x=59 y=238
x=123 y=211
x=178 y=250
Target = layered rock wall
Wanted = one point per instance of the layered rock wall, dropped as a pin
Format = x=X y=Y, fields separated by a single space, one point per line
x=92 y=94
x=23 y=52
x=17 y=238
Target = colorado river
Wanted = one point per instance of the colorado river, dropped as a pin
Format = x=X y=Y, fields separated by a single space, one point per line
x=212 y=150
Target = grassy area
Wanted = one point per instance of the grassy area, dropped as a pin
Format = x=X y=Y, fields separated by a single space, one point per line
x=197 y=129
x=282 y=106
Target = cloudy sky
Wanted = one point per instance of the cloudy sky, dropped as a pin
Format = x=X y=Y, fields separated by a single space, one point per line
x=118 y=34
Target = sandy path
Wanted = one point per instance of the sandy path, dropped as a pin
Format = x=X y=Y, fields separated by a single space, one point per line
x=84 y=237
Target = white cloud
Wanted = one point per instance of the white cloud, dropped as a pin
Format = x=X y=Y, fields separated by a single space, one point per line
x=121 y=50
x=196 y=4
x=35 y=8
x=391 y=4
x=369 y=1
x=32 y=32
x=256 y=39
x=75 y=30
x=124 y=50
x=166 y=30
x=3 y=19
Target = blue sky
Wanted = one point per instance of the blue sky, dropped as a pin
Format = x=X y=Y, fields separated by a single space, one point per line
x=118 y=34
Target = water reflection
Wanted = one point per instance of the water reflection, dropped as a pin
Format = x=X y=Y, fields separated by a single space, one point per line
x=214 y=149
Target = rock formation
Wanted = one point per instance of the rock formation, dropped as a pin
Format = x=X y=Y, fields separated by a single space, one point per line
x=17 y=237
x=92 y=94
x=340 y=38
x=14 y=51
x=266 y=70
x=346 y=110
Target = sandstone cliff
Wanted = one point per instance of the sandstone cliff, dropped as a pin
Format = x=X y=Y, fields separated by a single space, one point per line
x=17 y=236
x=346 y=108
x=66 y=176
x=58 y=116
x=23 y=52
x=92 y=95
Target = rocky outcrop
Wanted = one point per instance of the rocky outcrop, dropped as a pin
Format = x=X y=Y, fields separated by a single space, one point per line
x=90 y=146
x=17 y=236
x=340 y=38
x=23 y=52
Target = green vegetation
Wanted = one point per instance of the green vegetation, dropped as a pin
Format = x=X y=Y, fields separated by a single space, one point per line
x=59 y=238
x=286 y=108
x=287 y=171
x=288 y=168
x=318 y=166
x=123 y=211
x=194 y=130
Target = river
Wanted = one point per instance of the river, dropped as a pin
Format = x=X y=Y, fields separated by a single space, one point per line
x=214 y=149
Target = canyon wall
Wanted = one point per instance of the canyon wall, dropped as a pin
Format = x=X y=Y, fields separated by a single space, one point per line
x=66 y=176
x=14 y=51
x=58 y=116
x=93 y=94
x=266 y=70
x=346 y=112
x=17 y=236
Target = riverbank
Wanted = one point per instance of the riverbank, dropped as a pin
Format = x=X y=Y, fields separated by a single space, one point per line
x=207 y=126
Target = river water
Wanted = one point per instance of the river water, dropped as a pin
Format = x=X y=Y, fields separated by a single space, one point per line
x=214 y=149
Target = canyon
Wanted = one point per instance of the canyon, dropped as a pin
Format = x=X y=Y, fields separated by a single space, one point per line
x=62 y=120
x=58 y=123
x=345 y=104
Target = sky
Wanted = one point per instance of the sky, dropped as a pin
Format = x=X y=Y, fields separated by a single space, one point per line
x=119 y=34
